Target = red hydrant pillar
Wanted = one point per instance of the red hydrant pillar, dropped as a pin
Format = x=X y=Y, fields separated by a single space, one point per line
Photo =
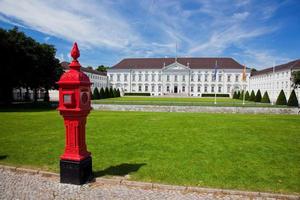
x=74 y=106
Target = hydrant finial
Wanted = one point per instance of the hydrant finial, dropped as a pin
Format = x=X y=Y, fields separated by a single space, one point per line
x=75 y=54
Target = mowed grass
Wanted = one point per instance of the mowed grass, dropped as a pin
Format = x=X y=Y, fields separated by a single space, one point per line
x=234 y=151
x=180 y=101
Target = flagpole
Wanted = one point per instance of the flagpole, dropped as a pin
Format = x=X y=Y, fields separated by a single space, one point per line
x=215 y=76
x=243 y=82
x=273 y=84
x=244 y=94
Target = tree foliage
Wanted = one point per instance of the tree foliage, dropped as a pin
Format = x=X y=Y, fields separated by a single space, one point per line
x=102 y=68
x=266 y=98
x=96 y=94
x=26 y=63
x=252 y=96
x=258 y=96
x=102 y=93
x=281 y=100
x=247 y=96
x=293 y=101
x=296 y=79
x=241 y=97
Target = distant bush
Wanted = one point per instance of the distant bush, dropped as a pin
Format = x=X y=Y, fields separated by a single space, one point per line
x=281 y=100
x=252 y=96
x=118 y=93
x=241 y=97
x=238 y=95
x=258 y=96
x=247 y=96
x=213 y=95
x=136 y=94
x=102 y=93
x=293 y=101
x=96 y=94
x=106 y=93
x=265 y=98
x=234 y=95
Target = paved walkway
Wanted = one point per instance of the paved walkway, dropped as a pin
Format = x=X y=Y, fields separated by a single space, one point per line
x=20 y=185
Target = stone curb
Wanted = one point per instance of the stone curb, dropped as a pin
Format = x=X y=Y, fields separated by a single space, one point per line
x=147 y=185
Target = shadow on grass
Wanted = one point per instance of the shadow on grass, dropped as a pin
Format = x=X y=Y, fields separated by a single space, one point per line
x=119 y=170
x=3 y=157
x=28 y=107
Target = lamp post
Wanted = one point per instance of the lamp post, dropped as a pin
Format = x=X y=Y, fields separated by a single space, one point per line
x=74 y=106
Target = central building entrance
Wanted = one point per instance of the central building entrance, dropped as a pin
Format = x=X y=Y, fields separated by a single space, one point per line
x=175 y=89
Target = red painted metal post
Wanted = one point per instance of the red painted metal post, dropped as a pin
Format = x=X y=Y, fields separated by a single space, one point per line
x=74 y=106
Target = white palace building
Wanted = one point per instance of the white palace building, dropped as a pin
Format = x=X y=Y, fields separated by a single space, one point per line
x=178 y=76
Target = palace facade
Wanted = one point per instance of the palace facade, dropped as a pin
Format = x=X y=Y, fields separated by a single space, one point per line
x=178 y=76
x=274 y=79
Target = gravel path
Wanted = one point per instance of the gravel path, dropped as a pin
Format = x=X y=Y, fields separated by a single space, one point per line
x=18 y=185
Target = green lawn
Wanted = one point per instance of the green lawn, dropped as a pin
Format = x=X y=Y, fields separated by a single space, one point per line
x=248 y=152
x=181 y=101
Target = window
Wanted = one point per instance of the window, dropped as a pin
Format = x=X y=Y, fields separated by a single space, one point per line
x=220 y=78
x=140 y=77
x=183 y=78
x=146 y=88
x=146 y=77
x=168 y=78
x=112 y=77
x=228 y=89
x=159 y=88
x=153 y=77
x=192 y=78
x=220 y=89
x=199 y=77
x=183 y=88
x=152 y=88
x=205 y=88
x=205 y=77
x=159 y=77
x=212 y=88
x=168 y=88
x=140 y=88
x=133 y=77
x=236 y=78
x=199 y=89
x=228 y=78
x=118 y=77
x=192 y=88
x=175 y=77
x=125 y=77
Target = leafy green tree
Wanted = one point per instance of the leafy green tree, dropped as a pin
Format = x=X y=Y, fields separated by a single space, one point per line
x=102 y=68
x=106 y=92
x=102 y=93
x=265 y=98
x=296 y=79
x=281 y=100
x=258 y=96
x=252 y=96
x=293 y=101
x=115 y=92
x=247 y=96
x=96 y=94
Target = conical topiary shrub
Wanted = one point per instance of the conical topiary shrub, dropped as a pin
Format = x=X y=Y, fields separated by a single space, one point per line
x=106 y=93
x=96 y=94
x=238 y=95
x=118 y=93
x=102 y=93
x=258 y=96
x=293 y=101
x=111 y=93
x=252 y=96
x=247 y=96
x=281 y=100
x=234 y=95
x=265 y=98
x=241 y=95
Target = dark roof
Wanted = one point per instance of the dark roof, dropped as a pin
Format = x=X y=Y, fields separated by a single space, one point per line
x=65 y=65
x=295 y=64
x=194 y=63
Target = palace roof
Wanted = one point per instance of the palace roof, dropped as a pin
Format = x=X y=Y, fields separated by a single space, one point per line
x=295 y=64
x=193 y=63
x=65 y=65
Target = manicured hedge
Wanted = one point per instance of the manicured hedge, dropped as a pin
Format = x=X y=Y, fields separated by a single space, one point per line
x=213 y=95
x=137 y=94
x=265 y=98
x=293 y=101
x=281 y=100
x=247 y=96
x=258 y=96
x=252 y=96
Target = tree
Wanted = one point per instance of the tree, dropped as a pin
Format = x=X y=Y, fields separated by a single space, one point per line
x=102 y=68
x=241 y=95
x=238 y=95
x=234 y=95
x=252 y=96
x=118 y=93
x=281 y=100
x=296 y=79
x=258 y=96
x=293 y=101
x=106 y=92
x=111 y=93
x=102 y=93
x=115 y=92
x=96 y=94
x=265 y=98
x=247 y=96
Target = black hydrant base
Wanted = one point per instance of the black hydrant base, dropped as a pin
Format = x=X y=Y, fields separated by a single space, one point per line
x=76 y=172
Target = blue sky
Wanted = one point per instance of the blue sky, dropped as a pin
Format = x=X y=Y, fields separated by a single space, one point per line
x=256 y=33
